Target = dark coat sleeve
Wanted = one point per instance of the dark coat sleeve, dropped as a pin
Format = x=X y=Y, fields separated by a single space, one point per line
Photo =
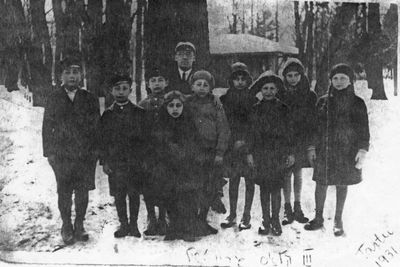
x=311 y=122
x=361 y=123
x=49 y=122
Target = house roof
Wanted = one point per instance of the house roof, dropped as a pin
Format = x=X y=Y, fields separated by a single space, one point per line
x=224 y=44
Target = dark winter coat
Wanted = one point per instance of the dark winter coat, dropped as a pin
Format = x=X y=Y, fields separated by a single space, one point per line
x=152 y=102
x=270 y=141
x=69 y=134
x=238 y=106
x=302 y=104
x=123 y=139
x=175 y=148
x=348 y=132
x=176 y=83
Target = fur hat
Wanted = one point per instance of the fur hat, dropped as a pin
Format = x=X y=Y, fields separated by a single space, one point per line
x=185 y=46
x=266 y=77
x=205 y=75
x=344 y=69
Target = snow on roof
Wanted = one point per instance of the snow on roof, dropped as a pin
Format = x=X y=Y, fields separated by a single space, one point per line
x=247 y=44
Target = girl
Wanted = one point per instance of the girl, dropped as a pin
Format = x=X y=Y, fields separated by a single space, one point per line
x=271 y=141
x=214 y=131
x=341 y=146
x=177 y=174
x=238 y=103
x=301 y=101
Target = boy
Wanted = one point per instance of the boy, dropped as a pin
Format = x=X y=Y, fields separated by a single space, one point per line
x=237 y=104
x=214 y=130
x=123 y=146
x=157 y=83
x=271 y=144
x=69 y=143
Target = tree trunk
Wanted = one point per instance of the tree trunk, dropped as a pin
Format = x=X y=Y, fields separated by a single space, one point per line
x=169 y=22
x=92 y=48
x=139 y=49
x=13 y=35
x=310 y=41
x=39 y=55
x=374 y=62
x=299 y=36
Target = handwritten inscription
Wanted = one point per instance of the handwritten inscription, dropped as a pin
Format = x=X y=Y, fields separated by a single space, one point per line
x=382 y=250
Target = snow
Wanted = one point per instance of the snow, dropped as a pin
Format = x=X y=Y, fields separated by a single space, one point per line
x=30 y=221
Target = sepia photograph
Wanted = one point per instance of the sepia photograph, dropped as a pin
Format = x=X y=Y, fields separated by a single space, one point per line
x=199 y=133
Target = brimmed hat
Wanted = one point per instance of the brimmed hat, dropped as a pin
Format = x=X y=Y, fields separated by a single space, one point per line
x=185 y=46
x=155 y=72
x=71 y=61
x=266 y=77
x=344 y=69
x=205 y=75
x=119 y=78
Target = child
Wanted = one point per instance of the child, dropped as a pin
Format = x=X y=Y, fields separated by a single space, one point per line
x=271 y=141
x=214 y=130
x=70 y=121
x=341 y=145
x=301 y=101
x=238 y=104
x=157 y=83
x=123 y=142
x=180 y=185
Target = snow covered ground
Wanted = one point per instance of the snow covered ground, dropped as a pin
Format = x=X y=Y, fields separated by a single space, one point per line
x=30 y=221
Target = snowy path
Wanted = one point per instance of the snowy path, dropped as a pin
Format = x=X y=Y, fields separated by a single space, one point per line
x=30 y=221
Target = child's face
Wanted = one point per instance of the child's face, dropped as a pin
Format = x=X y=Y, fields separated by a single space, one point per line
x=293 y=78
x=157 y=84
x=175 y=108
x=121 y=91
x=239 y=82
x=201 y=88
x=340 y=81
x=269 y=91
x=185 y=59
x=71 y=76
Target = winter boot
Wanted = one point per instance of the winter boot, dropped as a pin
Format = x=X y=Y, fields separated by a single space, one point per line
x=338 y=227
x=151 y=226
x=288 y=216
x=298 y=213
x=79 y=231
x=229 y=221
x=276 y=228
x=133 y=229
x=315 y=224
x=122 y=231
x=245 y=222
x=218 y=206
x=67 y=233
x=161 y=226
x=264 y=228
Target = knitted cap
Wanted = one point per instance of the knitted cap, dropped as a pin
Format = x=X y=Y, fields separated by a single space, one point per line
x=185 y=46
x=238 y=68
x=344 y=69
x=204 y=75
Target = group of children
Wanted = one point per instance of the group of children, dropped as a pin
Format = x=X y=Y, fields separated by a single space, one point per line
x=175 y=148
